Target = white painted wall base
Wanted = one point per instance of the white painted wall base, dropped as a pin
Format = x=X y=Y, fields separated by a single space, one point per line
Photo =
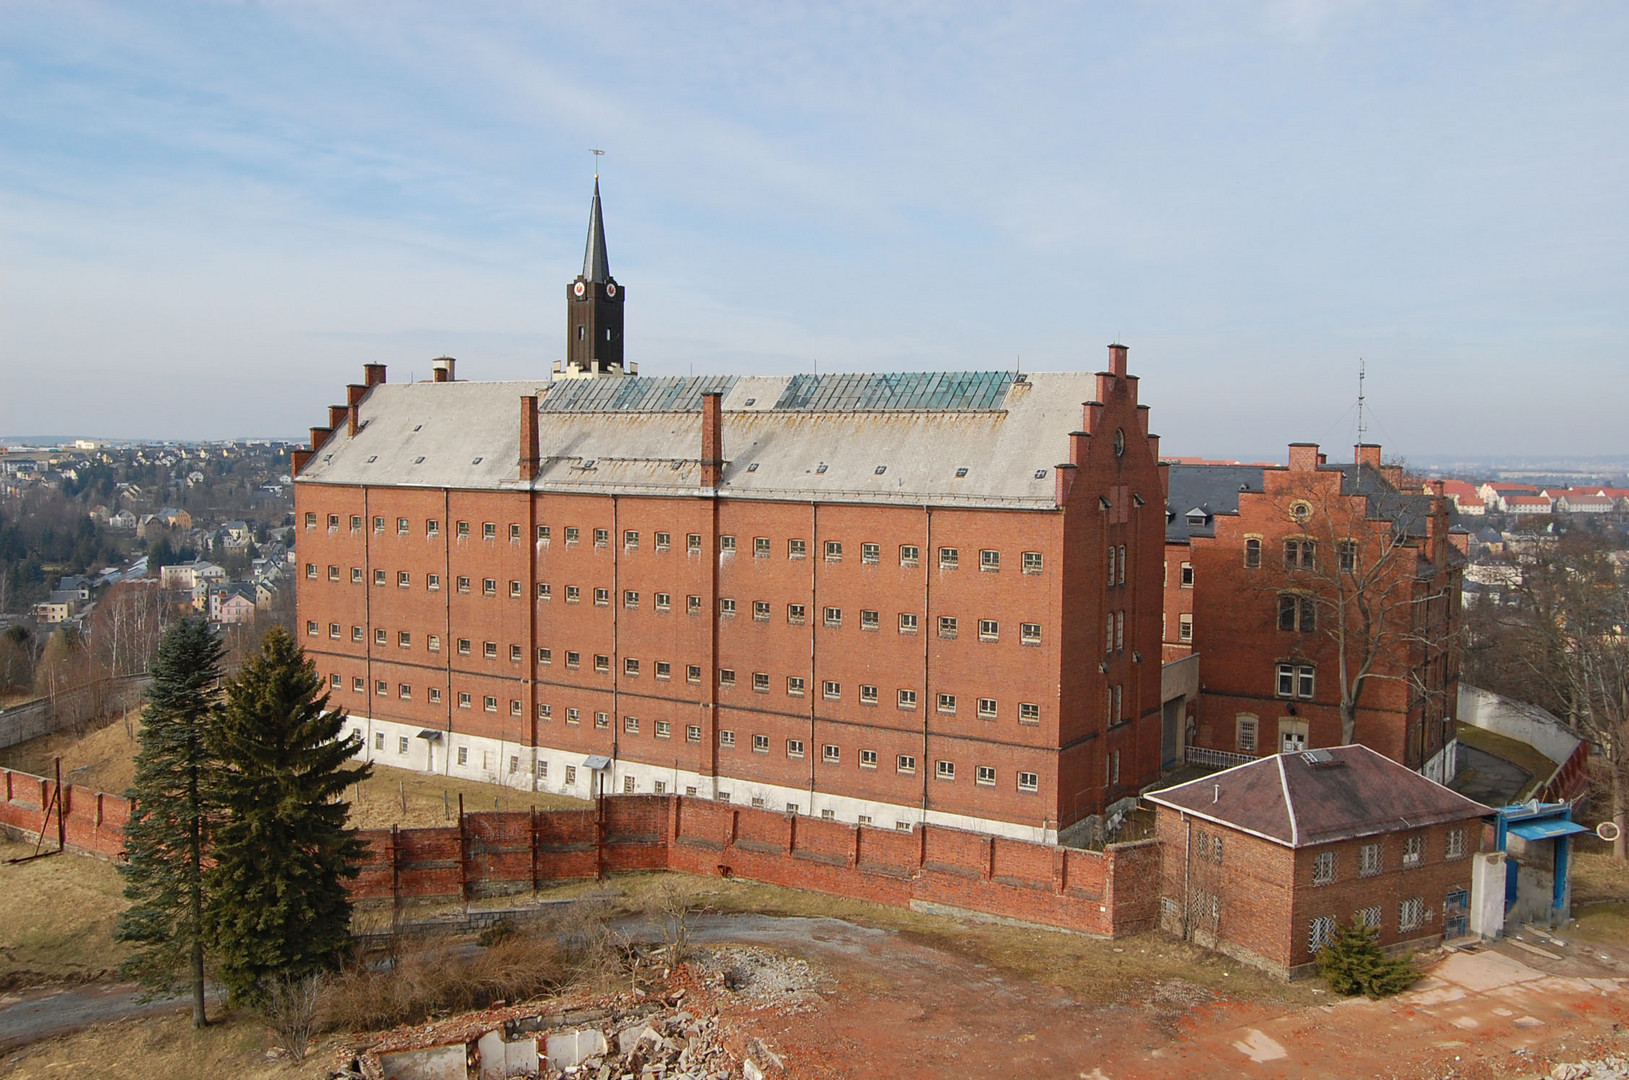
x=562 y=772
x=1444 y=764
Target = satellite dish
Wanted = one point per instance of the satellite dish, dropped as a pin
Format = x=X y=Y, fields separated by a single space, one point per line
x=1607 y=830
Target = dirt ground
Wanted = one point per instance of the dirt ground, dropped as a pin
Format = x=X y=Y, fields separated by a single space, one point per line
x=56 y=918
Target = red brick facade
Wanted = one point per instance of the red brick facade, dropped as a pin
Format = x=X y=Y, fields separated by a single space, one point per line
x=1271 y=586
x=1238 y=903
x=759 y=640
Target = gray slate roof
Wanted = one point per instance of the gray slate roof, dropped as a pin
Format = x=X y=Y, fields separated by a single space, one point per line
x=785 y=436
x=1212 y=488
x=596 y=264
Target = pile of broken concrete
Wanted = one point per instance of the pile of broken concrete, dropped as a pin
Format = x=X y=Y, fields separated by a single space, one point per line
x=1607 y=1068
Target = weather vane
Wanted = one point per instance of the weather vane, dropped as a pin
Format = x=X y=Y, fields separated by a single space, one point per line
x=597 y=155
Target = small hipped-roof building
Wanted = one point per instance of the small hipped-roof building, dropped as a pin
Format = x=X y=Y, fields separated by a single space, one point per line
x=1261 y=861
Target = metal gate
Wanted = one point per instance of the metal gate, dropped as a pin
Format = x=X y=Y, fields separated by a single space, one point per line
x=1456 y=914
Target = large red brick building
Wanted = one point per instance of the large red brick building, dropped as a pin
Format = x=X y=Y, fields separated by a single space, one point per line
x=1324 y=603
x=884 y=599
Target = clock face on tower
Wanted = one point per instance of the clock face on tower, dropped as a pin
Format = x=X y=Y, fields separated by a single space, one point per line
x=610 y=288
x=579 y=289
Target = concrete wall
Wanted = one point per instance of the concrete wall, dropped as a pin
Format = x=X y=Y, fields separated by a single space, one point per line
x=46 y=715
x=1537 y=728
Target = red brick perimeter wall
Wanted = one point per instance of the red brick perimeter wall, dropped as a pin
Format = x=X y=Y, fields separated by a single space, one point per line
x=1107 y=893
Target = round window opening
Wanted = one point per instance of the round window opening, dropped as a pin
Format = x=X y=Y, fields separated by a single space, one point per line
x=1300 y=511
x=1119 y=442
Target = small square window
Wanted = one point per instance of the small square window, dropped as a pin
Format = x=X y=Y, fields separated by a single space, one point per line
x=356 y=575
x=311 y=571
x=795 y=614
x=630 y=598
x=602 y=597
x=760 y=610
x=869 y=620
x=664 y=602
x=692 y=673
x=1028 y=781
x=905 y=763
x=794 y=748
x=947 y=703
x=794 y=686
x=602 y=538
x=985 y=775
x=404 y=579
x=403 y=638
x=602 y=663
x=573 y=659
x=333 y=630
x=381 y=687
x=311 y=629
x=833 y=617
x=989 y=630
x=463 y=584
x=726 y=676
x=831 y=690
x=573 y=716
x=909 y=555
x=357 y=685
x=834 y=551
x=944 y=770
x=868 y=759
x=692 y=542
x=432 y=582
x=514 y=531
x=489 y=530
x=489 y=649
x=378 y=575
x=726 y=607
x=796 y=549
x=1032 y=562
x=630 y=540
x=544 y=591
x=760 y=547
x=760 y=682
x=664 y=729
x=1029 y=713
x=515 y=589
x=989 y=560
x=432 y=527
x=830 y=754
x=726 y=738
x=1029 y=633
x=987 y=708
x=664 y=670
x=907 y=699
x=602 y=720
x=379 y=637
x=692 y=604
x=726 y=545
x=545 y=656
x=630 y=667
x=760 y=744
x=907 y=623
x=514 y=707
x=949 y=558
x=572 y=535
x=947 y=626
x=356 y=633
x=871 y=554
x=692 y=733
x=630 y=724
x=868 y=694
x=333 y=573
x=514 y=654
x=664 y=541
x=356 y=522
x=573 y=594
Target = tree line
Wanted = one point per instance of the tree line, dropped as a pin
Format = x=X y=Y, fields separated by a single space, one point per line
x=237 y=849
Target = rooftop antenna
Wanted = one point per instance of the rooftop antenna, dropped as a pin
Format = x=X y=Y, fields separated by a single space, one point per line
x=1361 y=429
x=597 y=155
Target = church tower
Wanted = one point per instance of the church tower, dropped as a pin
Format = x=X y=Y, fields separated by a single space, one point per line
x=594 y=311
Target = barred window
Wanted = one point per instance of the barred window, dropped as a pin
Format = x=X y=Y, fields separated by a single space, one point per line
x=1411 y=914
x=1321 y=932
x=1369 y=860
x=1323 y=868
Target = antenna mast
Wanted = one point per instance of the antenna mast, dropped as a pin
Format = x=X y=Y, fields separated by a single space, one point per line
x=1360 y=374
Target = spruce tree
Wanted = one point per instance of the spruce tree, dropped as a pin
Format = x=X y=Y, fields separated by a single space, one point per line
x=279 y=908
x=1354 y=963
x=167 y=835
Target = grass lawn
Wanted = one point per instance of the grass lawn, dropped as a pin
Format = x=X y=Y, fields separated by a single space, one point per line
x=59 y=917
x=102 y=759
x=167 y=1048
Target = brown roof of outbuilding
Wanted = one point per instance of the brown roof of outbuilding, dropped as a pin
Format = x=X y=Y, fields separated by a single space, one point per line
x=1319 y=796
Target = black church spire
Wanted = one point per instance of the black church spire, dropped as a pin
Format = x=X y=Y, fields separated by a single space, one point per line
x=596 y=266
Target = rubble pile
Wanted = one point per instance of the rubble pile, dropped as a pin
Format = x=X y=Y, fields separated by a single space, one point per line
x=673 y=1033
x=758 y=975
x=1607 y=1068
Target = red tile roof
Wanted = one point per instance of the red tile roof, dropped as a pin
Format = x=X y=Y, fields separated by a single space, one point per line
x=1320 y=796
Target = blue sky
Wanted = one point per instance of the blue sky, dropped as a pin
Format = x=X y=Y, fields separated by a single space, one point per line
x=212 y=214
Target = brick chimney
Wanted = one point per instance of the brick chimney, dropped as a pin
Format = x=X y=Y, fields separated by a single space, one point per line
x=337 y=413
x=1304 y=456
x=529 y=459
x=712 y=439
x=373 y=374
x=1367 y=454
x=354 y=394
x=319 y=435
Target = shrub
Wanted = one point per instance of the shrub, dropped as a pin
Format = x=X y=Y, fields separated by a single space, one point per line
x=291 y=1012
x=423 y=984
x=1354 y=964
